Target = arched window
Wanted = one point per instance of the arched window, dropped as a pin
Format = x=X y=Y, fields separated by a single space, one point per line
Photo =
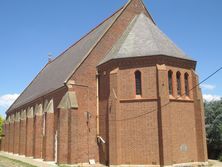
x=186 y=80
x=138 y=83
x=170 y=82
x=178 y=84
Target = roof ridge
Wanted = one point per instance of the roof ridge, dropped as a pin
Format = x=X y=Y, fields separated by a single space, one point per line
x=148 y=12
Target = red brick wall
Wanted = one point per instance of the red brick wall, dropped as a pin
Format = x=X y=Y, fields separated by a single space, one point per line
x=86 y=73
x=169 y=127
x=81 y=146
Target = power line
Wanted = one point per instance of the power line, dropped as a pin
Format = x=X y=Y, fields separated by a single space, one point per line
x=146 y=113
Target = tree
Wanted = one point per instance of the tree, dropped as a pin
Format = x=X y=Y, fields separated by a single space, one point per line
x=1 y=125
x=213 y=119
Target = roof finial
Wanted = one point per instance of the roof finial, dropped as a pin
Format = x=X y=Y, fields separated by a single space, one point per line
x=49 y=57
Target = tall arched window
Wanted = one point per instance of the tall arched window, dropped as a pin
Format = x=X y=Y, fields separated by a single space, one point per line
x=178 y=84
x=170 y=82
x=138 y=83
x=186 y=80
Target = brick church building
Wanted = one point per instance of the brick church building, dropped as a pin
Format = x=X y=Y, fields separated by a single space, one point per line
x=122 y=94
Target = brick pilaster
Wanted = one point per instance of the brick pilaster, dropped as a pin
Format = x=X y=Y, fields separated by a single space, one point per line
x=17 y=133
x=63 y=134
x=199 y=121
x=38 y=136
x=49 y=138
x=6 y=135
x=22 y=138
x=164 y=118
x=11 y=138
x=3 y=139
x=113 y=134
x=29 y=133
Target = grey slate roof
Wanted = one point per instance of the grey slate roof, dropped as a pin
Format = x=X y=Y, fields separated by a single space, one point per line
x=143 y=38
x=58 y=71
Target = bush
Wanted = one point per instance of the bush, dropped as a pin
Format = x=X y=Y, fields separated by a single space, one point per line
x=213 y=119
x=220 y=158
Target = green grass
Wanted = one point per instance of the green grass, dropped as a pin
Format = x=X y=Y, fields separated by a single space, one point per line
x=18 y=162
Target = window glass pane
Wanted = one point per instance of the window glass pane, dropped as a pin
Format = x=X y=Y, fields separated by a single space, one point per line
x=178 y=84
x=170 y=82
x=138 y=83
x=186 y=76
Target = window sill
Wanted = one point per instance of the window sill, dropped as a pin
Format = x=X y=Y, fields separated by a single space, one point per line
x=180 y=99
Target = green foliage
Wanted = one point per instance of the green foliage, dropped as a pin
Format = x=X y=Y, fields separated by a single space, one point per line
x=213 y=120
x=220 y=158
x=1 y=125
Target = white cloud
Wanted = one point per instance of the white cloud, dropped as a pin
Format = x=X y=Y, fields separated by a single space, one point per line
x=209 y=97
x=7 y=100
x=208 y=86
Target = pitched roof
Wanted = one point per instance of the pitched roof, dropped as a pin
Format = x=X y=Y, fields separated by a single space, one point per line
x=143 y=38
x=56 y=73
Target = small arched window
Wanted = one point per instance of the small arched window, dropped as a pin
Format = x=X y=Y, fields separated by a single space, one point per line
x=178 y=84
x=138 y=83
x=186 y=80
x=170 y=82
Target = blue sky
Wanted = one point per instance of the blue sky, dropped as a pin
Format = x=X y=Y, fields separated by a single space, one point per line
x=29 y=30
